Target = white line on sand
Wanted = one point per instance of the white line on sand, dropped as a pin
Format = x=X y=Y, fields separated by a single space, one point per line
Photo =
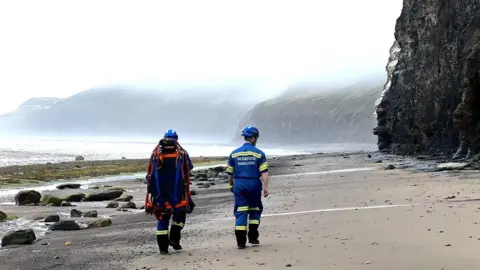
x=337 y=209
x=329 y=210
x=326 y=172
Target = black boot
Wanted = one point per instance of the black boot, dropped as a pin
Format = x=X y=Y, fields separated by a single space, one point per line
x=162 y=241
x=241 y=238
x=175 y=235
x=253 y=234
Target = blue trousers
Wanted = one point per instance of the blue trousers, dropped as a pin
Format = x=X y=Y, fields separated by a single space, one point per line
x=178 y=218
x=248 y=207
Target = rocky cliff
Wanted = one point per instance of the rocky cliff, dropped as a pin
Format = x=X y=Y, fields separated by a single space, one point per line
x=334 y=116
x=431 y=102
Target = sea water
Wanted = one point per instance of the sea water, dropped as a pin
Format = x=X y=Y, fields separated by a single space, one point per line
x=40 y=150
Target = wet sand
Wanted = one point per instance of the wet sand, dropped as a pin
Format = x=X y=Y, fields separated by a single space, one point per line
x=319 y=216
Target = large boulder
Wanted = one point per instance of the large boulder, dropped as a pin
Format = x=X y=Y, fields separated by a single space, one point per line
x=25 y=197
x=104 y=196
x=51 y=200
x=126 y=198
x=69 y=186
x=3 y=216
x=79 y=158
x=75 y=213
x=113 y=204
x=91 y=214
x=100 y=223
x=219 y=169
x=52 y=218
x=65 y=225
x=78 y=197
x=19 y=237
x=129 y=205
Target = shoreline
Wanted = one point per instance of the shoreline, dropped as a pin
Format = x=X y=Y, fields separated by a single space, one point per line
x=18 y=176
x=21 y=176
x=37 y=174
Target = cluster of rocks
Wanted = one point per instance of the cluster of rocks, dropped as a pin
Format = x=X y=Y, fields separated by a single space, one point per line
x=209 y=177
x=201 y=178
x=34 y=198
x=27 y=236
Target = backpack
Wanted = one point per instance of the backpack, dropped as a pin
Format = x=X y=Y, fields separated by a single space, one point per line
x=168 y=179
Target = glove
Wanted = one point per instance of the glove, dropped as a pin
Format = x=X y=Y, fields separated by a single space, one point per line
x=231 y=189
x=148 y=208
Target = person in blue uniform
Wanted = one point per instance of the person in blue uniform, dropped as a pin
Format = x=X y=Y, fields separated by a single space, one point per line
x=247 y=170
x=168 y=192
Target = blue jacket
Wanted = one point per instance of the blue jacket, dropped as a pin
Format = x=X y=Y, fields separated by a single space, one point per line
x=246 y=164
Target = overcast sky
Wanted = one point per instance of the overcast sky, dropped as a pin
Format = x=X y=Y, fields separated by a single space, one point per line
x=58 y=48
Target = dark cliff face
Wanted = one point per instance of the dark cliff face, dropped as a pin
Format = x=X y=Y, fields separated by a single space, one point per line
x=431 y=101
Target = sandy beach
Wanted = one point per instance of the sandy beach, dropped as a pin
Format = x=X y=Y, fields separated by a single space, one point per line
x=332 y=211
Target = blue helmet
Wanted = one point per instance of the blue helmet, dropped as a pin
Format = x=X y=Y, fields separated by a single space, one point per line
x=171 y=134
x=250 y=131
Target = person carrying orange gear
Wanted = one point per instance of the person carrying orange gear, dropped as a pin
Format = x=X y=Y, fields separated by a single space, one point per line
x=168 y=190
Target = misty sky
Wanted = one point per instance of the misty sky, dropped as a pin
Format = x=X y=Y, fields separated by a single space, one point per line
x=58 y=48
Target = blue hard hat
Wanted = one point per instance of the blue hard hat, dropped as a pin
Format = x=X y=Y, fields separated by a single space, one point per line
x=171 y=134
x=250 y=131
